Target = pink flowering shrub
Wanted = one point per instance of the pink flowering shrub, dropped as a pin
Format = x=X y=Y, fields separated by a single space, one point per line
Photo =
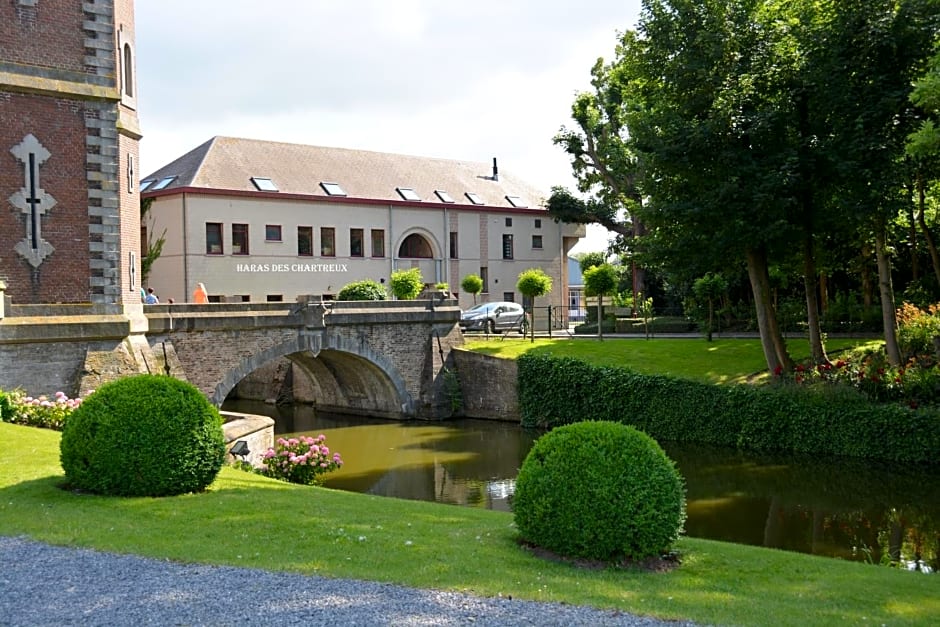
x=50 y=413
x=300 y=460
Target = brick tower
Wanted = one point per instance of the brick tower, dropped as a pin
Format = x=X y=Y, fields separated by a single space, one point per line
x=69 y=207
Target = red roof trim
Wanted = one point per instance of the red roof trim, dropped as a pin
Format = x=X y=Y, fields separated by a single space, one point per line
x=238 y=193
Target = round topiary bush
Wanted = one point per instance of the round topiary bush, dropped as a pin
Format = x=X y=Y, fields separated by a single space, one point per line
x=145 y=435
x=362 y=290
x=599 y=490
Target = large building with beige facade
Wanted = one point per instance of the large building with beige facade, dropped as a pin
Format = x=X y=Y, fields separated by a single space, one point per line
x=264 y=221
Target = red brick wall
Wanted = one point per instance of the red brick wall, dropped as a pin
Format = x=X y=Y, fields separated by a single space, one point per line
x=59 y=125
x=48 y=35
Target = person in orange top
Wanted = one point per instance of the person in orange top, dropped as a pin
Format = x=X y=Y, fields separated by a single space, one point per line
x=200 y=295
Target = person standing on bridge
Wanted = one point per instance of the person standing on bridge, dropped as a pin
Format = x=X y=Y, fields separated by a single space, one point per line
x=200 y=295
x=151 y=298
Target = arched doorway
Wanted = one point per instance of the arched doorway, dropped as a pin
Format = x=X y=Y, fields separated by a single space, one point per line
x=415 y=246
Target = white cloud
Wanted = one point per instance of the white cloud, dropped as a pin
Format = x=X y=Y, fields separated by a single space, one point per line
x=460 y=80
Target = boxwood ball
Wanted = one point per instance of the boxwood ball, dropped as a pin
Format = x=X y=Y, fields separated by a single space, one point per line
x=145 y=435
x=599 y=490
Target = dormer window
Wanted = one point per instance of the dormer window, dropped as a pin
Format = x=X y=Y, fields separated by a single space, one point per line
x=407 y=193
x=163 y=183
x=264 y=184
x=332 y=189
x=444 y=196
x=475 y=199
x=515 y=201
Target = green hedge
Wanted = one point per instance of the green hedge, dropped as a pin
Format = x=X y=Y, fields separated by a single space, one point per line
x=832 y=421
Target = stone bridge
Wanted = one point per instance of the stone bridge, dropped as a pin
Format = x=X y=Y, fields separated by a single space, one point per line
x=377 y=358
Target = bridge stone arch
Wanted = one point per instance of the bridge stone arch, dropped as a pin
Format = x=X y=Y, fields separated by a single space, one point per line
x=346 y=373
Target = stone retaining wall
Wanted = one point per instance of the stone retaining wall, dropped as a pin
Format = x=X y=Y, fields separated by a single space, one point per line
x=488 y=386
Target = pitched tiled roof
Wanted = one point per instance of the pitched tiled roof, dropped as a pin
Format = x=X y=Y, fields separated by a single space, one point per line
x=228 y=163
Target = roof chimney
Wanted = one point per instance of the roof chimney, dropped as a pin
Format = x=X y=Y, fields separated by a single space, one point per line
x=495 y=170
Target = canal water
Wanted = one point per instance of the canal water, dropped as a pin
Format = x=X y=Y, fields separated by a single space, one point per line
x=843 y=508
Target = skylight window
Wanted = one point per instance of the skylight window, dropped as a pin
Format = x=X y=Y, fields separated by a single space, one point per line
x=444 y=196
x=264 y=184
x=474 y=198
x=515 y=201
x=407 y=193
x=163 y=183
x=333 y=189
x=145 y=184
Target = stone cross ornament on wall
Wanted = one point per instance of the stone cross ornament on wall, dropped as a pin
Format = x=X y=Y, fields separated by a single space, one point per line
x=32 y=200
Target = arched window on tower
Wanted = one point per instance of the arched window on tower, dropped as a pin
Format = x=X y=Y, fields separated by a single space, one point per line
x=415 y=247
x=128 y=71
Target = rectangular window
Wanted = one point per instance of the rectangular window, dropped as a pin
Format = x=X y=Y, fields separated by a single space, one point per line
x=241 y=298
x=485 y=276
x=509 y=297
x=507 y=245
x=355 y=242
x=305 y=241
x=538 y=223
x=508 y=221
x=453 y=244
x=274 y=298
x=214 y=298
x=239 y=239
x=272 y=232
x=378 y=243
x=327 y=241
x=214 y=238
x=537 y=241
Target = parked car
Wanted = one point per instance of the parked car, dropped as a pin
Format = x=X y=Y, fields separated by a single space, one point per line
x=493 y=317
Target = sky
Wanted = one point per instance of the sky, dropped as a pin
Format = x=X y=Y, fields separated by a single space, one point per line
x=468 y=80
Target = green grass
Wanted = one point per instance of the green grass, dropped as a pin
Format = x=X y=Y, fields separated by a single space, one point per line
x=721 y=361
x=248 y=520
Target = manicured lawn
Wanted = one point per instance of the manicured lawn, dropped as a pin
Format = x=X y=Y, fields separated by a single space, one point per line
x=247 y=520
x=720 y=361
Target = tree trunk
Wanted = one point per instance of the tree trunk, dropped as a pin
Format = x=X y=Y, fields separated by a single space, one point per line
x=711 y=316
x=922 y=223
x=817 y=350
x=867 y=288
x=639 y=273
x=886 y=292
x=912 y=234
x=770 y=338
x=823 y=293
x=600 y=317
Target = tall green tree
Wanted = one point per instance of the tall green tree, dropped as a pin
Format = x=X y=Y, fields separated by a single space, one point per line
x=712 y=133
x=923 y=146
x=875 y=49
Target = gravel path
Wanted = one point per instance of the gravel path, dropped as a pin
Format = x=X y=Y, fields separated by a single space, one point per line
x=47 y=585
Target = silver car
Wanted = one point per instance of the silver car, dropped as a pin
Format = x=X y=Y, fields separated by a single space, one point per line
x=493 y=317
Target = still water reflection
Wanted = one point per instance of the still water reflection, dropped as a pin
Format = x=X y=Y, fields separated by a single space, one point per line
x=840 y=508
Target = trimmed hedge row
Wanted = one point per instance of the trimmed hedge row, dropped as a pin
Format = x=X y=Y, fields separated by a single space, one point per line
x=833 y=421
